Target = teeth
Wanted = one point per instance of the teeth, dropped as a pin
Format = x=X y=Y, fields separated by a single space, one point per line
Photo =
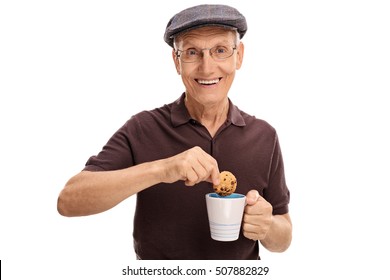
x=208 y=82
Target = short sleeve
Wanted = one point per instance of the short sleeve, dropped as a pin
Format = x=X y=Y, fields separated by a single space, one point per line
x=277 y=192
x=116 y=154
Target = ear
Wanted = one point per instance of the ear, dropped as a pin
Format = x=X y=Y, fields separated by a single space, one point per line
x=240 y=55
x=176 y=61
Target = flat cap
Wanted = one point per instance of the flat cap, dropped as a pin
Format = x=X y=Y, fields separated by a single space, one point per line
x=204 y=15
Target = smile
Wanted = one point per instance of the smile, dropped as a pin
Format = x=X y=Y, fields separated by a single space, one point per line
x=208 y=82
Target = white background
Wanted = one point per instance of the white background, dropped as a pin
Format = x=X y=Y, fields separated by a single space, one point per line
x=72 y=72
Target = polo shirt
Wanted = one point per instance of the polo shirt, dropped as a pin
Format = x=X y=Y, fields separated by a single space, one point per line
x=170 y=220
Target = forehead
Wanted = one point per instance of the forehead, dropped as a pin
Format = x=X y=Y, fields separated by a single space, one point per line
x=208 y=33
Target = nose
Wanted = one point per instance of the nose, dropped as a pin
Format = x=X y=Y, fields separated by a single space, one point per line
x=206 y=62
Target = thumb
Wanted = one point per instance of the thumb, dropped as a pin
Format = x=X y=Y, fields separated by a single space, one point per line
x=252 y=197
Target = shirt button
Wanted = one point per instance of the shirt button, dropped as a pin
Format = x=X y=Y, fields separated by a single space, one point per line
x=193 y=121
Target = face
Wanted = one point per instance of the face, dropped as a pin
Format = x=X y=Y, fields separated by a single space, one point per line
x=208 y=80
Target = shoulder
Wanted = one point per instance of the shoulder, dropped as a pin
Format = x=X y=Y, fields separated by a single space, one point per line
x=149 y=119
x=151 y=114
x=253 y=122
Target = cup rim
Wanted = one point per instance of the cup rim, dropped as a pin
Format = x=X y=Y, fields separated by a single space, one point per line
x=232 y=196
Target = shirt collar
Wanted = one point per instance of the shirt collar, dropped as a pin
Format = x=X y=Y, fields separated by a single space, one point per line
x=180 y=115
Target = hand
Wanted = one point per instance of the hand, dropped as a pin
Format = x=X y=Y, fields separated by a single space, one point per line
x=192 y=166
x=257 y=216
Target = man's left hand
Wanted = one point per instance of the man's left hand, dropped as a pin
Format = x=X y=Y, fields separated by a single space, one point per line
x=257 y=216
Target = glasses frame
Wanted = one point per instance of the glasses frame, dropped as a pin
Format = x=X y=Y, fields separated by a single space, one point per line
x=178 y=54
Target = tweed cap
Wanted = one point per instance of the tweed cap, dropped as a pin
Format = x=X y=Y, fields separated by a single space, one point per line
x=204 y=15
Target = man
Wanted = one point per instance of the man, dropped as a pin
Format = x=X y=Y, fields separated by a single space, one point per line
x=171 y=156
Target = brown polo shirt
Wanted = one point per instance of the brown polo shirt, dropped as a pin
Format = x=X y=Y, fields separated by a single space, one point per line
x=170 y=219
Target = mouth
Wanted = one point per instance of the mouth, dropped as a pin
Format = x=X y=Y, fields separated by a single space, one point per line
x=208 y=82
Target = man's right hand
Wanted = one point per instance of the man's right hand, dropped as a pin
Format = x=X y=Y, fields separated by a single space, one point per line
x=192 y=166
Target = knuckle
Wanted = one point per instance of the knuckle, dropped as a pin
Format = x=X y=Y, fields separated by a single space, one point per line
x=196 y=149
x=211 y=167
x=204 y=174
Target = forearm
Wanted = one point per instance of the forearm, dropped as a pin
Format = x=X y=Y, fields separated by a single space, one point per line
x=90 y=193
x=279 y=236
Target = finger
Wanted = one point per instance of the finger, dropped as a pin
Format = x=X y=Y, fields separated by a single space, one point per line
x=250 y=235
x=252 y=196
x=197 y=172
x=211 y=168
x=214 y=177
x=252 y=210
x=251 y=228
x=254 y=236
x=254 y=232
x=260 y=208
x=205 y=171
x=191 y=177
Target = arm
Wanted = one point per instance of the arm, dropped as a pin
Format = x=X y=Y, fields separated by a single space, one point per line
x=273 y=231
x=90 y=193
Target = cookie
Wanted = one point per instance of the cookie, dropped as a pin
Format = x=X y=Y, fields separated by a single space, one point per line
x=228 y=184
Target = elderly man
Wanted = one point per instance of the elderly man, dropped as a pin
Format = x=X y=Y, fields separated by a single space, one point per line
x=171 y=156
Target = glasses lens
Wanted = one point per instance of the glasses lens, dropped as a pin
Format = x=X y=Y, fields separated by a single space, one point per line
x=222 y=52
x=217 y=52
x=190 y=55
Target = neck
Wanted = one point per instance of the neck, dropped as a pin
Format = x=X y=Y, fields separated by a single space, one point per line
x=211 y=116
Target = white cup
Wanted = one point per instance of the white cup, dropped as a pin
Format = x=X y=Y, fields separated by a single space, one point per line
x=225 y=215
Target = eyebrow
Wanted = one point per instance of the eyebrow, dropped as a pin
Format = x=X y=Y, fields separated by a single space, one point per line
x=183 y=38
x=186 y=44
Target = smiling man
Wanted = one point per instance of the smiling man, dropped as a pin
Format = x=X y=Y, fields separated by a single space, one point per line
x=207 y=59
x=158 y=154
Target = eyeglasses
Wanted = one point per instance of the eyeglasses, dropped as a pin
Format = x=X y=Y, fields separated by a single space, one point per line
x=194 y=55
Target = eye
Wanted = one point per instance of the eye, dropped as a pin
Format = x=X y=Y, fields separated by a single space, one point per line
x=192 y=52
x=221 y=50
